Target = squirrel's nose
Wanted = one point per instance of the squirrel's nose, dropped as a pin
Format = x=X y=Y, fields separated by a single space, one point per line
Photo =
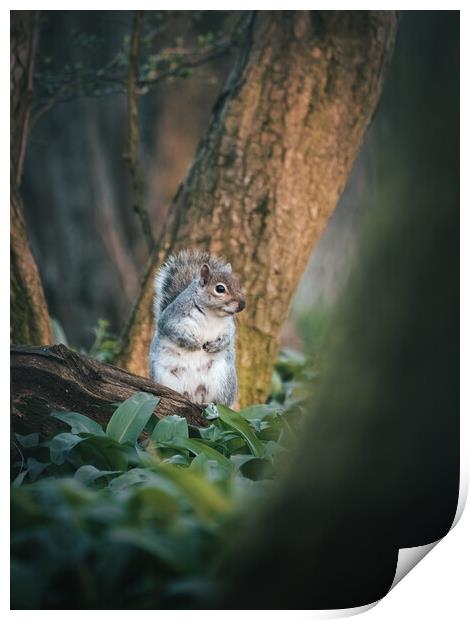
x=241 y=305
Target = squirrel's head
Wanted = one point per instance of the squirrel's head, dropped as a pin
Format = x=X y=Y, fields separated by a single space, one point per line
x=220 y=290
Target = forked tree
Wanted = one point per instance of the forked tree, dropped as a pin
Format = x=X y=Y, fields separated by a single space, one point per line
x=269 y=172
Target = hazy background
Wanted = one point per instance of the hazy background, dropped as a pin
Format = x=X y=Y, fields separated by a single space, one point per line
x=84 y=234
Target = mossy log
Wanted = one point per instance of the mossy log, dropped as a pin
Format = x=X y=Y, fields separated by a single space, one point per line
x=44 y=379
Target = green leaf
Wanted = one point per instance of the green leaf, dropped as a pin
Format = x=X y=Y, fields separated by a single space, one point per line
x=236 y=444
x=209 y=468
x=260 y=412
x=257 y=469
x=277 y=388
x=35 y=468
x=169 y=429
x=78 y=423
x=28 y=441
x=210 y=412
x=273 y=447
x=130 y=418
x=198 y=446
x=246 y=490
x=87 y=474
x=151 y=502
x=75 y=493
x=291 y=364
x=61 y=445
x=205 y=497
x=217 y=434
x=211 y=433
x=103 y=452
x=177 y=459
x=145 y=458
x=240 y=459
x=235 y=421
x=151 y=542
x=129 y=478
x=140 y=476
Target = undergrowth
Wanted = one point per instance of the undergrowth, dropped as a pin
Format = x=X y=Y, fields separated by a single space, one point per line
x=137 y=514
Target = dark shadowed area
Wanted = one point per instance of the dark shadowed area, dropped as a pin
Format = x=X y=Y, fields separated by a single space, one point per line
x=378 y=466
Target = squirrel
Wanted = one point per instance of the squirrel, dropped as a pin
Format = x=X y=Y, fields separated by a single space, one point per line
x=193 y=348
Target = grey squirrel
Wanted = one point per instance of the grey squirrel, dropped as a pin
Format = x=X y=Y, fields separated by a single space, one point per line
x=193 y=348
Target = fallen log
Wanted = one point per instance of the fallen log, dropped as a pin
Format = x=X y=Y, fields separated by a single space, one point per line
x=45 y=379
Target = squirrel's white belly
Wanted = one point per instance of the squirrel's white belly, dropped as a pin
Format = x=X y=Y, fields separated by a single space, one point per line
x=195 y=374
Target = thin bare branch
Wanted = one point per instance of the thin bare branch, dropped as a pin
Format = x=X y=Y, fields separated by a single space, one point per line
x=212 y=54
x=132 y=155
x=31 y=57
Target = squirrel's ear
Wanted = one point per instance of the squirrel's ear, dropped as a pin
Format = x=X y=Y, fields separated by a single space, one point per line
x=205 y=273
x=228 y=267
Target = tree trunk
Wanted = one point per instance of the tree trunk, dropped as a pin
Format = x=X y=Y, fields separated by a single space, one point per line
x=29 y=318
x=30 y=321
x=271 y=168
x=45 y=379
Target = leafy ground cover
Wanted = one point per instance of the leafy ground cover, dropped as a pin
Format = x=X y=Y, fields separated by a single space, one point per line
x=138 y=514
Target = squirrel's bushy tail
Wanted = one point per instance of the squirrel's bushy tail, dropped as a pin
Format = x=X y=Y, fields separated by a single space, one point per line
x=178 y=271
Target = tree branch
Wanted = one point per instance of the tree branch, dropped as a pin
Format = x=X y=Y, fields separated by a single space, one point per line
x=134 y=134
x=24 y=51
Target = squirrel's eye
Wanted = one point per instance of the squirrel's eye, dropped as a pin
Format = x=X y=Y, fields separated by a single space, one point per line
x=220 y=288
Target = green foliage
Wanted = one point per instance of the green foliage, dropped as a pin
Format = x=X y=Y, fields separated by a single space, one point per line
x=130 y=418
x=137 y=515
x=292 y=373
x=173 y=44
x=105 y=345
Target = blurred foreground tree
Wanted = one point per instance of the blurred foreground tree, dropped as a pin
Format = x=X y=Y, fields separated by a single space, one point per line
x=268 y=174
x=29 y=316
x=377 y=468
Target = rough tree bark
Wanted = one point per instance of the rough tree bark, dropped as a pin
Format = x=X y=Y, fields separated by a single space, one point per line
x=30 y=321
x=44 y=379
x=268 y=174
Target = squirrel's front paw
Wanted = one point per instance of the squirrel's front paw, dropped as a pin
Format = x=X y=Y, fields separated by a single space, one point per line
x=212 y=346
